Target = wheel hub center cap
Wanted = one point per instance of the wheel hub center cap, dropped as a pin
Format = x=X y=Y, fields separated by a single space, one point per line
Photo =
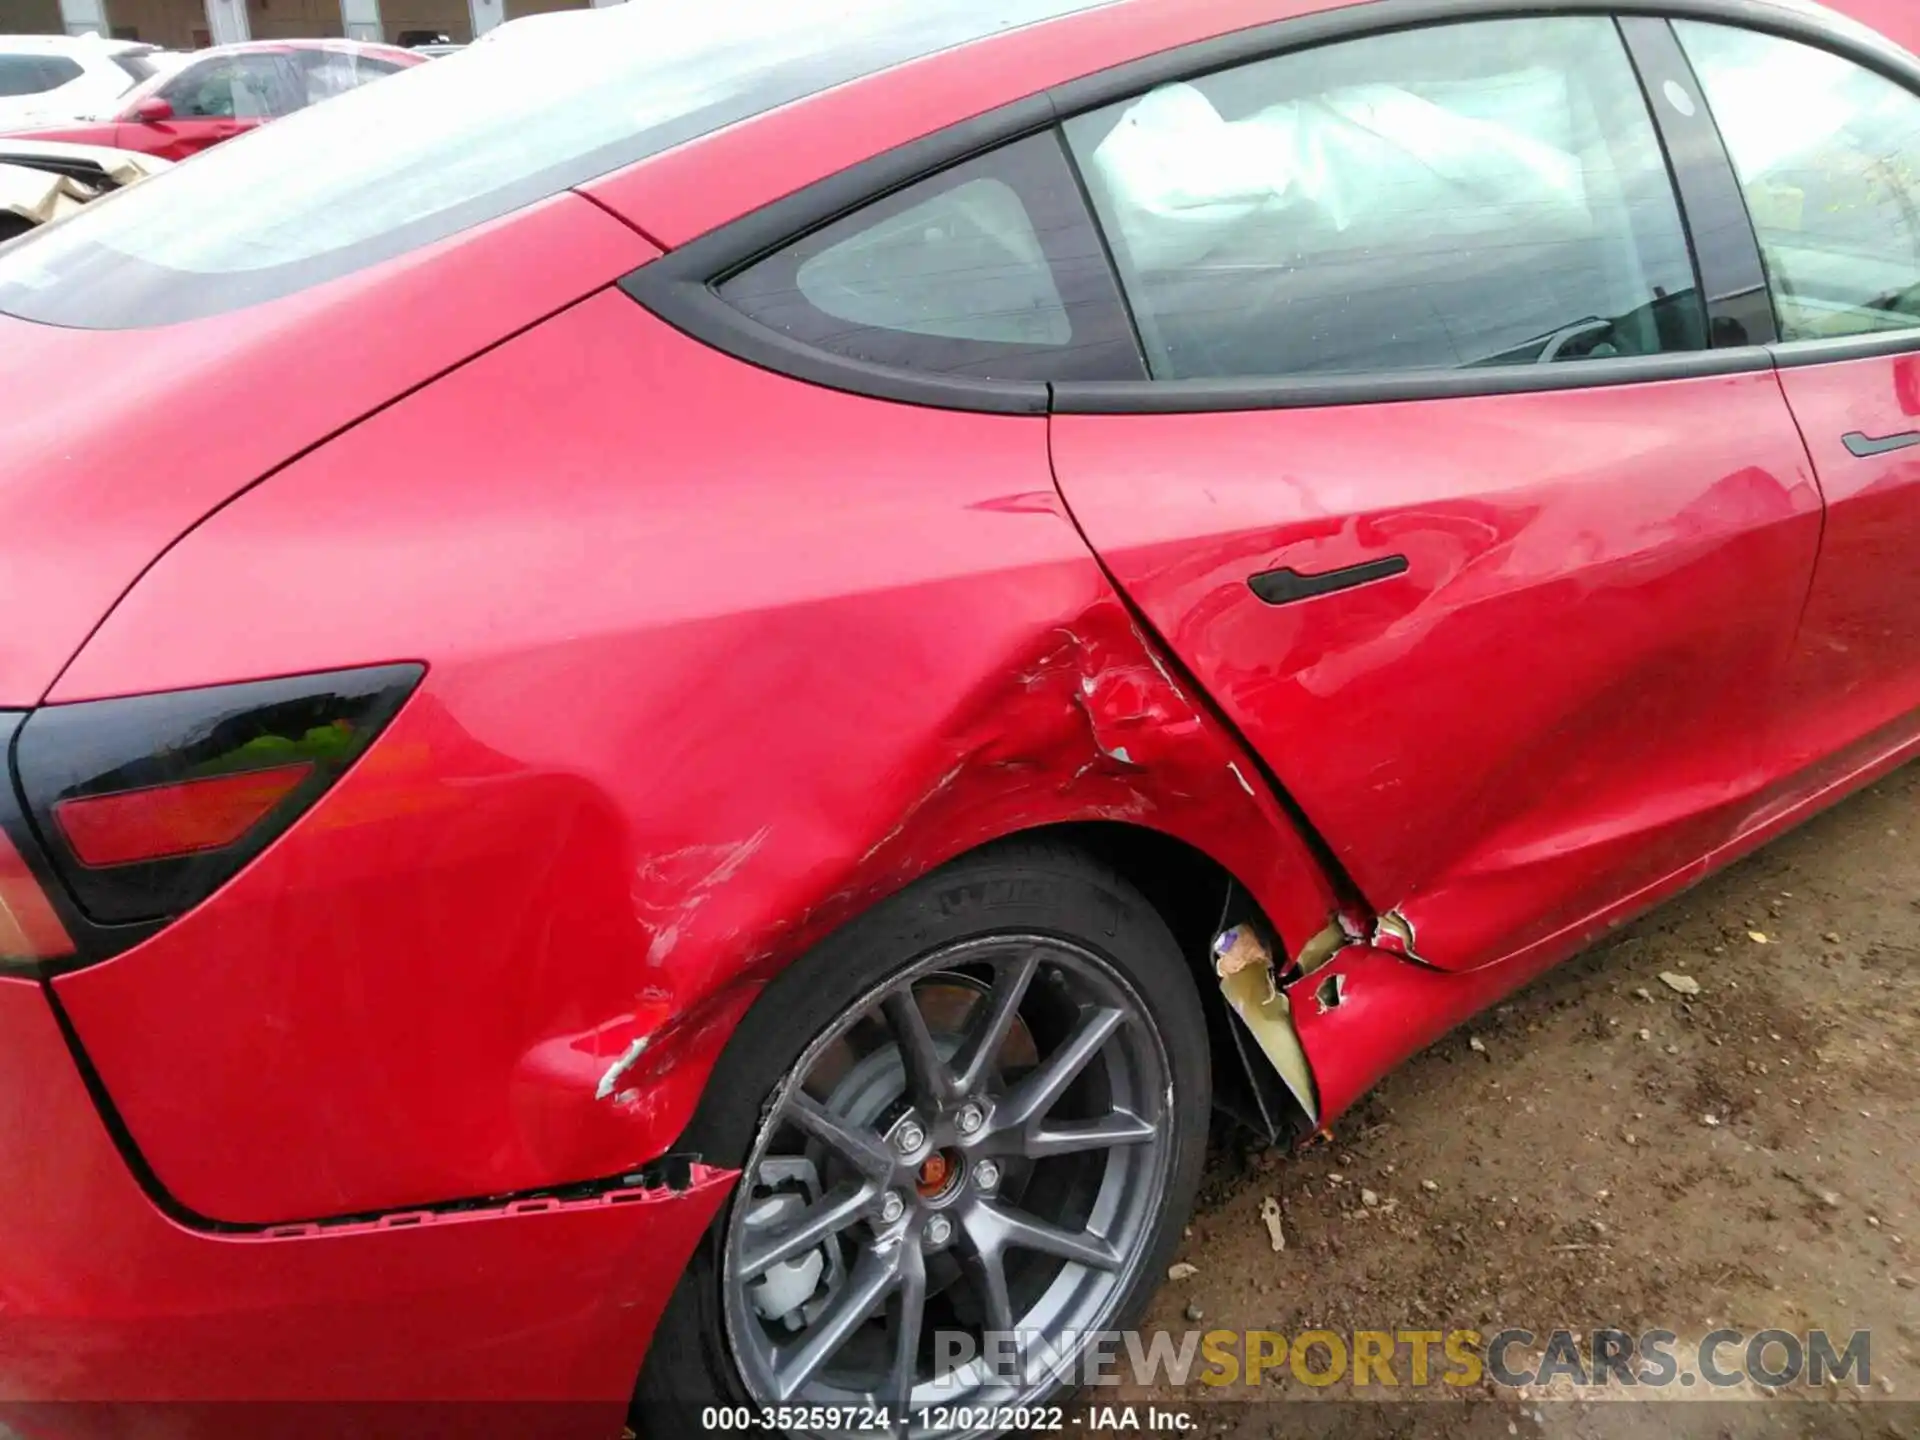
x=939 y=1175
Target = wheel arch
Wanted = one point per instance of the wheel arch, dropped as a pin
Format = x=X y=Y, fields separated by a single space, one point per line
x=1192 y=892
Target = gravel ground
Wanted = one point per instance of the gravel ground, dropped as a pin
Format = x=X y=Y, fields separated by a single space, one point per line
x=1604 y=1150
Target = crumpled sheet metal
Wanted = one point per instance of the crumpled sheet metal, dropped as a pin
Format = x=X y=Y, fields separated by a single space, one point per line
x=39 y=195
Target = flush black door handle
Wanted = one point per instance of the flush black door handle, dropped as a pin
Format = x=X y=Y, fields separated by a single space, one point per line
x=1865 y=447
x=1283 y=587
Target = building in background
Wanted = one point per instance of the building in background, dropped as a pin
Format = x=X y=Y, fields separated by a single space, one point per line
x=187 y=24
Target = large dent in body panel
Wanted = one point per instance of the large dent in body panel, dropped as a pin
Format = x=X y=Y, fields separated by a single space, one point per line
x=1083 y=724
x=1087 y=724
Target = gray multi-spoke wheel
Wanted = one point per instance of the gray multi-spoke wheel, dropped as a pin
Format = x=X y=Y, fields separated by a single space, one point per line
x=968 y=1131
x=979 y=1143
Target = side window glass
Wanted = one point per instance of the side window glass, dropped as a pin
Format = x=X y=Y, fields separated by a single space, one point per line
x=205 y=91
x=326 y=73
x=244 y=87
x=24 y=75
x=990 y=270
x=1487 y=193
x=1829 y=157
x=58 y=70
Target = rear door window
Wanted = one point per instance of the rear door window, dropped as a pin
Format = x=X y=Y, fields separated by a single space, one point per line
x=1475 y=194
x=1828 y=155
x=35 y=74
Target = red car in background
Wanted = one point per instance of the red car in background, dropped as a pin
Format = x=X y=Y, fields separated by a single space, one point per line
x=230 y=89
x=680 y=696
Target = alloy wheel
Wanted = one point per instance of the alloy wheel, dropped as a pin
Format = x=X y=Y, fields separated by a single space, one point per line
x=976 y=1149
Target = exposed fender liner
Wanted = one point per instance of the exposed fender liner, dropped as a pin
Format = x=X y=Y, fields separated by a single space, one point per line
x=1267 y=1013
x=1252 y=986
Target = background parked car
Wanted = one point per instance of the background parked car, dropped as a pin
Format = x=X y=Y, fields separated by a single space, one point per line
x=53 y=79
x=41 y=180
x=227 y=90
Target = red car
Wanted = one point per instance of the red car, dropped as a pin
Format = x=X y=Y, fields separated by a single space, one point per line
x=680 y=698
x=231 y=89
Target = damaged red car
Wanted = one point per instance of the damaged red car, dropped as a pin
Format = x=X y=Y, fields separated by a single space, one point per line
x=682 y=693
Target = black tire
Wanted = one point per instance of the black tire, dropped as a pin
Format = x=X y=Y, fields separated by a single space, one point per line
x=1016 y=887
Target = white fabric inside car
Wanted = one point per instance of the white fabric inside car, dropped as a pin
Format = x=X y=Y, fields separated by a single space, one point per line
x=1330 y=170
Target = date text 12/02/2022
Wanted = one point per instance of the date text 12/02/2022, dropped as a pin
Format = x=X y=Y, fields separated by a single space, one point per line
x=1042 y=1419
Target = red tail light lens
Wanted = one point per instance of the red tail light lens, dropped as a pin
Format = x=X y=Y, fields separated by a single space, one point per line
x=168 y=820
x=146 y=805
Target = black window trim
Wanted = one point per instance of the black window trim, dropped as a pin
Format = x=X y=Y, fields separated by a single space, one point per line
x=1733 y=285
x=1098 y=300
x=679 y=286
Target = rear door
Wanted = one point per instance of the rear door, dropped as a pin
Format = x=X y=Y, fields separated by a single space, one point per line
x=1489 y=532
x=1832 y=181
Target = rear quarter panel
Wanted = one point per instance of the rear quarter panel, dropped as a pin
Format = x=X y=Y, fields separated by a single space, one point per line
x=716 y=659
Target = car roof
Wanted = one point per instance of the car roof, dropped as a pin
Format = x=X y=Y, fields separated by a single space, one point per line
x=74 y=44
x=344 y=47
x=675 y=120
x=716 y=177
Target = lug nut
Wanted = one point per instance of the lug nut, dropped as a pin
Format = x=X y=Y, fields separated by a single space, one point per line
x=986 y=1175
x=909 y=1138
x=939 y=1230
x=969 y=1119
x=892 y=1207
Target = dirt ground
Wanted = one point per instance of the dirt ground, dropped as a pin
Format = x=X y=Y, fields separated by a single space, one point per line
x=1605 y=1151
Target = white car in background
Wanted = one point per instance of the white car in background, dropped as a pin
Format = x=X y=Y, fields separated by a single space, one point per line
x=58 y=79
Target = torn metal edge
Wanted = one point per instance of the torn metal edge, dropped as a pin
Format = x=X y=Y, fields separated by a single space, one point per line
x=1331 y=940
x=620 y=1067
x=1393 y=932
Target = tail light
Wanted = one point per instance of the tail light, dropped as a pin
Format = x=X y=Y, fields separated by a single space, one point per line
x=31 y=932
x=143 y=806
